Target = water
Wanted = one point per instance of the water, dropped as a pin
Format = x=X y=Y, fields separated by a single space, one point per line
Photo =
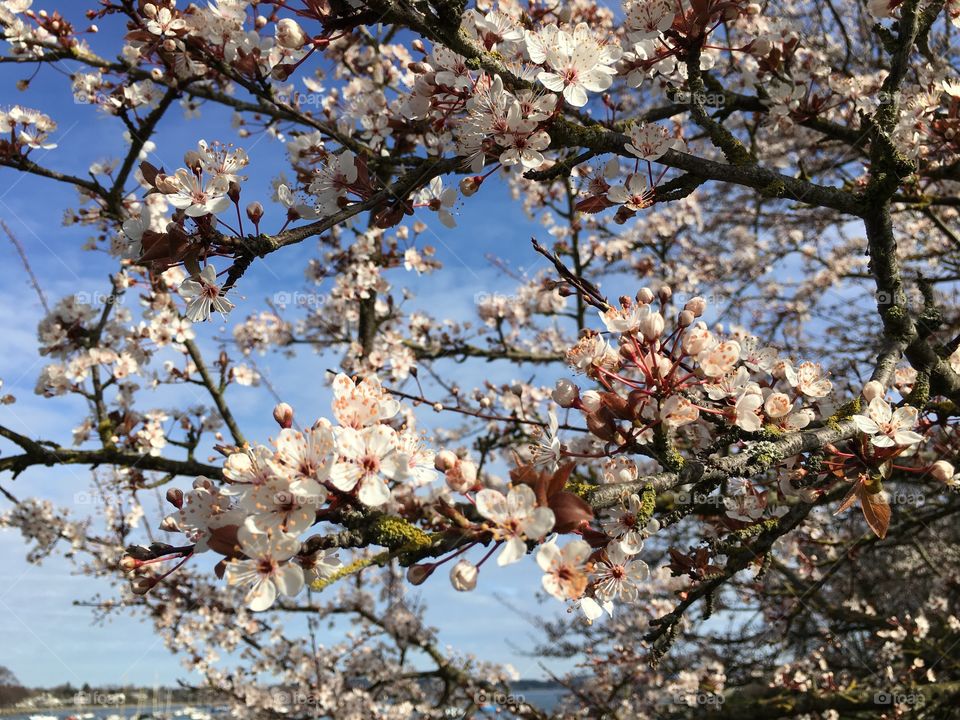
x=544 y=698
x=174 y=712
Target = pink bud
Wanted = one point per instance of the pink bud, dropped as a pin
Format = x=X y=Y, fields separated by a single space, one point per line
x=871 y=390
x=463 y=576
x=417 y=574
x=255 y=212
x=651 y=326
x=445 y=460
x=283 y=414
x=175 y=497
x=644 y=296
x=590 y=401
x=290 y=35
x=565 y=393
x=942 y=471
x=470 y=185
x=696 y=305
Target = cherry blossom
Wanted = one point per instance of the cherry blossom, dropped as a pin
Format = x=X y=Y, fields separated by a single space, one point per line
x=204 y=295
x=887 y=427
x=268 y=571
x=564 y=569
x=515 y=518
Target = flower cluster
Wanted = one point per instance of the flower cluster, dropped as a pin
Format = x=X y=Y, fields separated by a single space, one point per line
x=23 y=129
x=272 y=495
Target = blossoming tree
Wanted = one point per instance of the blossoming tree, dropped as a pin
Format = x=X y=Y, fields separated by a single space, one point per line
x=718 y=484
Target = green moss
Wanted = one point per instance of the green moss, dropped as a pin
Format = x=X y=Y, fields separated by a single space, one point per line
x=579 y=488
x=758 y=529
x=396 y=534
x=355 y=566
x=764 y=453
x=665 y=452
x=844 y=412
x=773 y=432
x=648 y=503
x=920 y=394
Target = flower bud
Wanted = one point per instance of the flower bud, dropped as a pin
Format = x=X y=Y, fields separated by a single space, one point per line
x=872 y=390
x=565 y=393
x=685 y=318
x=590 y=401
x=283 y=414
x=290 y=35
x=169 y=524
x=696 y=305
x=445 y=460
x=470 y=185
x=651 y=326
x=255 y=212
x=175 y=497
x=128 y=563
x=652 y=527
x=760 y=47
x=665 y=293
x=417 y=574
x=469 y=471
x=281 y=71
x=644 y=296
x=942 y=471
x=463 y=576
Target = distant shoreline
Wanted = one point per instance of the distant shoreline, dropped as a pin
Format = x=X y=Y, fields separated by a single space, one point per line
x=6 y=712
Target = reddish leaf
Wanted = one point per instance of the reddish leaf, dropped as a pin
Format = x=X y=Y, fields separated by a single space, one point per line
x=570 y=511
x=876 y=511
x=592 y=205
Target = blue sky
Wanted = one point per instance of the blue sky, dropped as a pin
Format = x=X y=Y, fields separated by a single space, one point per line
x=47 y=640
